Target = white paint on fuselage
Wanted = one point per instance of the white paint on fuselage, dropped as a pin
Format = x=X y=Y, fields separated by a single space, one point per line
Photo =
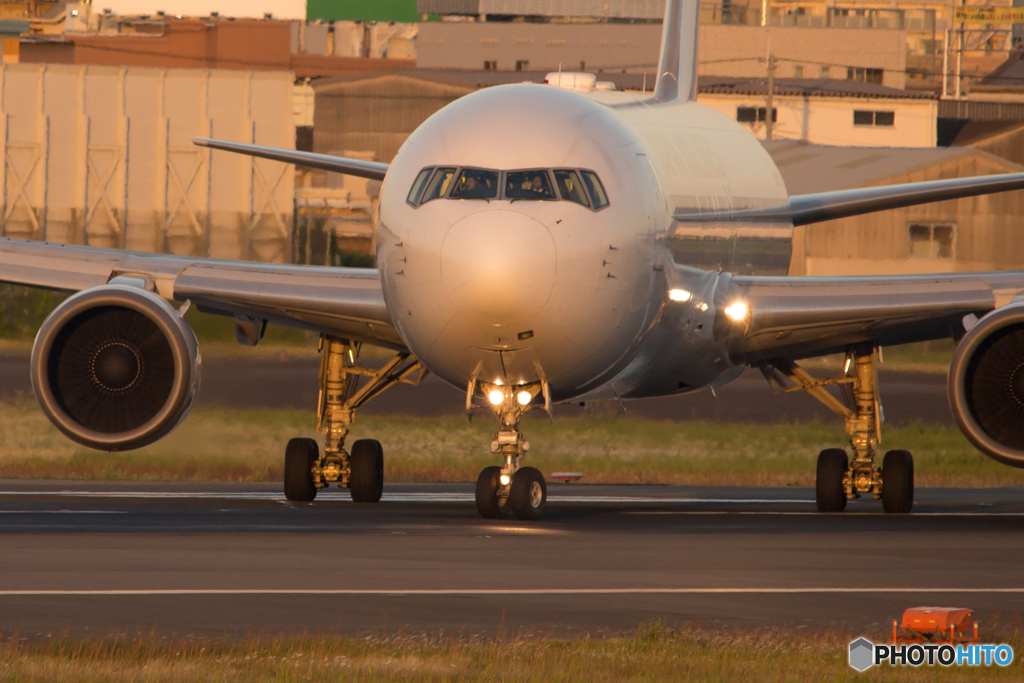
x=464 y=279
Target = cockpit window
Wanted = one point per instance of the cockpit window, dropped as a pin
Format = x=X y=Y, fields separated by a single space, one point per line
x=439 y=184
x=528 y=185
x=596 y=189
x=570 y=187
x=474 y=183
x=417 y=186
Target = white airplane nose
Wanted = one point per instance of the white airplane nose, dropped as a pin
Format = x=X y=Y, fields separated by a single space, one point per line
x=498 y=266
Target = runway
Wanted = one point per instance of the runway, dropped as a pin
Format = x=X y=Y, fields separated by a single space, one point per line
x=223 y=559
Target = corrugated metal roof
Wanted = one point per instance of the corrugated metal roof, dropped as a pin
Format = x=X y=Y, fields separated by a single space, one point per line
x=808 y=168
x=617 y=9
x=806 y=87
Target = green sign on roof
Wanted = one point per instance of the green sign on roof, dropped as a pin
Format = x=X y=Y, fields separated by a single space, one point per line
x=363 y=10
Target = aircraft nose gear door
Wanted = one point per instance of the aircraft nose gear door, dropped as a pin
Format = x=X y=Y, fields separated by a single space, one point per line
x=510 y=486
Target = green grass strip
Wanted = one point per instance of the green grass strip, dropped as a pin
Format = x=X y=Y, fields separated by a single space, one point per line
x=248 y=445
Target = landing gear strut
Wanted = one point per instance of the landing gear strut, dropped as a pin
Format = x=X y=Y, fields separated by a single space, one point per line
x=837 y=479
x=362 y=471
x=510 y=487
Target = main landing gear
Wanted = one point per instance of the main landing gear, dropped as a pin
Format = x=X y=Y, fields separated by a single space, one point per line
x=837 y=479
x=361 y=471
x=510 y=487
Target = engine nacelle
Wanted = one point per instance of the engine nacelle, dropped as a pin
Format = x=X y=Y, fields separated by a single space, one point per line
x=115 y=367
x=986 y=385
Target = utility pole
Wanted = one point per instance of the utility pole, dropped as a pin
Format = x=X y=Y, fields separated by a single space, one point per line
x=769 y=123
x=960 y=55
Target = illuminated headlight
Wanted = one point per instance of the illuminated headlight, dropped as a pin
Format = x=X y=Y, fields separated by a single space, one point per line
x=679 y=295
x=523 y=397
x=496 y=397
x=504 y=479
x=737 y=311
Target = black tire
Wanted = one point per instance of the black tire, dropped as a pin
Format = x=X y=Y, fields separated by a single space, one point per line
x=487 y=502
x=366 y=478
x=299 y=457
x=898 y=482
x=529 y=493
x=828 y=482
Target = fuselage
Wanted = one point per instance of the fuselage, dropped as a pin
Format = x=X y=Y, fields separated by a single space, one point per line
x=567 y=279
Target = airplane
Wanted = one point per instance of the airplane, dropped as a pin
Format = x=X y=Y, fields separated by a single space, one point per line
x=539 y=244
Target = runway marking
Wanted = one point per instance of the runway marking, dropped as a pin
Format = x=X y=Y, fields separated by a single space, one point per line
x=864 y=513
x=503 y=591
x=340 y=496
x=63 y=512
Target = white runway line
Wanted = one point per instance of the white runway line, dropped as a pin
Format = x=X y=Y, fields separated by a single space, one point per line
x=506 y=591
x=63 y=512
x=340 y=496
x=864 y=513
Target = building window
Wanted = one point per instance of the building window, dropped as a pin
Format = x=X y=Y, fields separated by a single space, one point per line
x=873 y=118
x=490 y=65
x=522 y=65
x=826 y=72
x=755 y=114
x=798 y=71
x=932 y=241
x=865 y=75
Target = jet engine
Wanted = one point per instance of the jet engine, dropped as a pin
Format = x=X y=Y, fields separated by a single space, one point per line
x=986 y=385
x=115 y=367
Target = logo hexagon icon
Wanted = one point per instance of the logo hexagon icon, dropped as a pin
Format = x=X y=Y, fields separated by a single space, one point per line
x=862 y=654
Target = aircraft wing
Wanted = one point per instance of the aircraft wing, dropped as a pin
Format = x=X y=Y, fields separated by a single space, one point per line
x=806 y=209
x=799 y=317
x=346 y=302
x=375 y=170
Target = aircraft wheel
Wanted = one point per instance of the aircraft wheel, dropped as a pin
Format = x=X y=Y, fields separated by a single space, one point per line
x=828 y=483
x=529 y=494
x=299 y=457
x=366 y=476
x=487 y=502
x=898 y=482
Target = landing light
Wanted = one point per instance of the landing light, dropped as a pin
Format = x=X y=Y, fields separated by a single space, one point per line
x=679 y=295
x=496 y=397
x=505 y=479
x=523 y=397
x=737 y=311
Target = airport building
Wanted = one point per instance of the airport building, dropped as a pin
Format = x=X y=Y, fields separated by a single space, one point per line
x=104 y=156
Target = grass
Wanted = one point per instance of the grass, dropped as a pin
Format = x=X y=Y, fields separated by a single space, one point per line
x=247 y=445
x=654 y=652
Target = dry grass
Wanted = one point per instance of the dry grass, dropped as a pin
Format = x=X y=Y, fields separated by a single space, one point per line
x=654 y=652
x=247 y=445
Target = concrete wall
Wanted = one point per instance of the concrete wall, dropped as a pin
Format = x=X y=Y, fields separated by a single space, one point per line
x=281 y=9
x=829 y=121
x=724 y=50
x=810 y=48
x=104 y=156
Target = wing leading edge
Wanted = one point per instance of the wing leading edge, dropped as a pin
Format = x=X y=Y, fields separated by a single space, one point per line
x=345 y=302
x=800 y=317
x=375 y=170
x=805 y=209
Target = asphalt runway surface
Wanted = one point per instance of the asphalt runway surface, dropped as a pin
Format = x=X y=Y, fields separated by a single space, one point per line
x=239 y=382
x=217 y=560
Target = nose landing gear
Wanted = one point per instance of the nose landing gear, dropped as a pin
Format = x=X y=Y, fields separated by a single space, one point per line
x=510 y=487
